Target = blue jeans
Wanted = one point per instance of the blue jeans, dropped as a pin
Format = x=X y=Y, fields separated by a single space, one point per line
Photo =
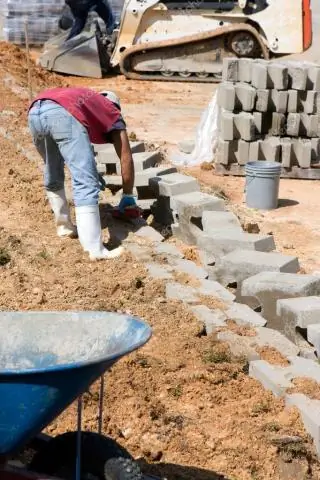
x=62 y=139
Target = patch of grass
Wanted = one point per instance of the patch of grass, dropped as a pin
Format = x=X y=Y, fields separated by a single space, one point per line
x=4 y=257
x=44 y=254
x=176 y=391
x=291 y=451
x=272 y=427
x=262 y=407
x=216 y=356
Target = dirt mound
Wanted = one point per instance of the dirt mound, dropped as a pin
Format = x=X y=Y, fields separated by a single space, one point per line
x=13 y=61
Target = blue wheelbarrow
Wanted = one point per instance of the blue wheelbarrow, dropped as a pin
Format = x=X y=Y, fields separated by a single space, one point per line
x=47 y=361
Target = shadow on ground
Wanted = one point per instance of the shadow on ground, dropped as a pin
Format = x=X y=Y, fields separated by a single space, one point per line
x=171 y=471
x=287 y=202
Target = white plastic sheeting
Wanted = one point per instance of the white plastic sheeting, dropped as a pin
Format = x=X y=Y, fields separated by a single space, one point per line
x=206 y=140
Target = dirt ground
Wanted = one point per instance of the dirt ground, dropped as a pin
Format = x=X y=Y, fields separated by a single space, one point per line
x=181 y=405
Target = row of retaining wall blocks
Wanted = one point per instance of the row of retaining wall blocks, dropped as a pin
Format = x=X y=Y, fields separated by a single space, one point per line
x=262 y=278
x=269 y=111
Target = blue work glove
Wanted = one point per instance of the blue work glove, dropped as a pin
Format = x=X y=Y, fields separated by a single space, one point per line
x=127 y=201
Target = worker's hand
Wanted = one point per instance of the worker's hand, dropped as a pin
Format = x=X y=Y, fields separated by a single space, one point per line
x=127 y=201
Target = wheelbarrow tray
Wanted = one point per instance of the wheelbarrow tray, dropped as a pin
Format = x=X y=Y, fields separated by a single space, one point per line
x=48 y=359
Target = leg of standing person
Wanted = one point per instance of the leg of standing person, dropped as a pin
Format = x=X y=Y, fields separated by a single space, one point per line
x=104 y=11
x=80 y=18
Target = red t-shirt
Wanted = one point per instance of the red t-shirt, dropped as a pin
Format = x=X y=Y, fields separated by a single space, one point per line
x=93 y=110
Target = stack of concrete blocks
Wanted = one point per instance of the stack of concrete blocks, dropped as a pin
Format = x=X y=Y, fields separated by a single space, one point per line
x=269 y=111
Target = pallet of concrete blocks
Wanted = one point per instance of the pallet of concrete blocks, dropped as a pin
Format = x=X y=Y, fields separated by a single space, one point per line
x=269 y=110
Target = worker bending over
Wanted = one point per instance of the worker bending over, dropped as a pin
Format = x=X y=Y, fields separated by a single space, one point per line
x=80 y=10
x=64 y=122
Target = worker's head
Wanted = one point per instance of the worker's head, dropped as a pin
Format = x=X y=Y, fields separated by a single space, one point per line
x=112 y=97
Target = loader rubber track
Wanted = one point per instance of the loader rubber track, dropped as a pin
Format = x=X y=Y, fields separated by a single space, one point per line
x=128 y=54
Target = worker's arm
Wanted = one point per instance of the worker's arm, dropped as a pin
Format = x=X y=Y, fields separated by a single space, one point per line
x=121 y=144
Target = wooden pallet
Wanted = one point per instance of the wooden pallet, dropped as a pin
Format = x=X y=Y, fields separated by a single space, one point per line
x=293 y=172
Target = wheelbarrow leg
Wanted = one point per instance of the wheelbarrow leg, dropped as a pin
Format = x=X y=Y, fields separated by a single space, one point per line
x=79 y=427
x=101 y=405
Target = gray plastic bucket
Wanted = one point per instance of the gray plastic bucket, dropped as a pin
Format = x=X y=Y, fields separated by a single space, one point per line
x=262 y=184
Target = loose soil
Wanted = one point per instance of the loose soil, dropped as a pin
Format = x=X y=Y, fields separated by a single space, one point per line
x=182 y=405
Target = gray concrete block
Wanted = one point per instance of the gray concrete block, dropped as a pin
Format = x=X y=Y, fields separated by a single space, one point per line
x=315 y=150
x=141 y=178
x=186 y=146
x=278 y=77
x=269 y=149
x=182 y=293
x=235 y=151
x=307 y=102
x=259 y=75
x=309 y=125
x=244 y=126
x=142 y=161
x=206 y=259
x=173 y=184
x=313 y=335
x=136 y=147
x=145 y=231
x=242 y=264
x=263 y=122
x=293 y=124
x=215 y=221
x=245 y=70
x=249 y=345
x=187 y=232
x=187 y=294
x=188 y=267
x=192 y=205
x=278 y=126
x=226 y=96
x=266 y=288
x=302 y=152
x=313 y=78
x=310 y=413
x=101 y=167
x=223 y=242
x=159 y=271
x=298 y=75
x=245 y=97
x=242 y=153
x=214 y=289
x=270 y=376
x=245 y=316
x=211 y=319
x=168 y=250
x=292 y=101
x=278 y=101
x=230 y=70
x=286 y=152
x=300 y=311
x=142 y=253
x=227 y=126
x=262 y=100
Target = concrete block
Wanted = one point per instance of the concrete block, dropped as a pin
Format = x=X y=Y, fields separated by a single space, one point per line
x=313 y=78
x=315 y=150
x=313 y=335
x=206 y=258
x=278 y=126
x=249 y=345
x=302 y=152
x=245 y=97
x=182 y=293
x=212 y=319
x=278 y=101
x=293 y=124
x=223 y=242
x=310 y=413
x=242 y=264
x=263 y=122
x=300 y=311
x=186 y=146
x=227 y=127
x=216 y=221
x=298 y=75
x=230 y=70
x=309 y=125
x=245 y=70
x=101 y=167
x=259 y=75
x=244 y=126
x=278 y=77
x=292 y=101
x=142 y=161
x=136 y=147
x=269 y=149
x=307 y=102
x=159 y=271
x=245 y=316
x=226 y=96
x=286 y=152
x=173 y=184
x=242 y=153
x=214 y=289
x=192 y=205
x=188 y=267
x=235 y=151
x=168 y=250
x=187 y=232
x=262 y=100
x=141 y=178
x=271 y=377
x=266 y=288
x=145 y=231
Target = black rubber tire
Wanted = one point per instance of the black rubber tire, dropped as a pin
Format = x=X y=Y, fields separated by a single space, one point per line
x=66 y=20
x=60 y=454
x=122 y=469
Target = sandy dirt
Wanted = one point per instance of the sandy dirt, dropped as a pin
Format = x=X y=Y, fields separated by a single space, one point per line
x=181 y=405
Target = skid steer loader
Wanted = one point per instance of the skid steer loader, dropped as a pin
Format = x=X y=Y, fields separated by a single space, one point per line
x=180 y=40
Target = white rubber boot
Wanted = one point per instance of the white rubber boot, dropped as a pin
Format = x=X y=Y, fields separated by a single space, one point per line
x=60 y=207
x=90 y=236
